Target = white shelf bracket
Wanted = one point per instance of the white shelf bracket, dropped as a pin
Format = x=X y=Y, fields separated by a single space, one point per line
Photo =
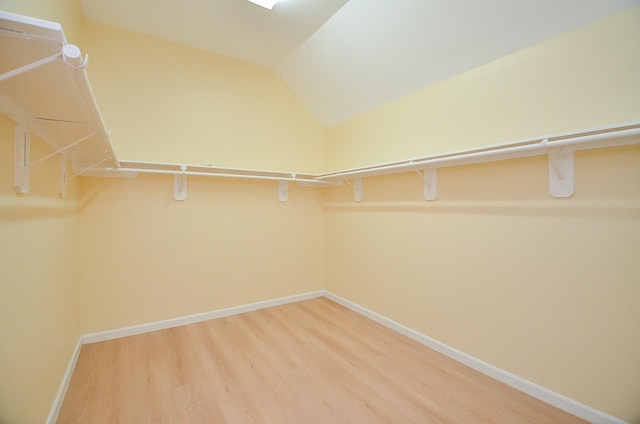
x=63 y=176
x=429 y=178
x=22 y=158
x=180 y=184
x=82 y=171
x=561 y=172
x=357 y=189
x=26 y=68
x=283 y=189
x=67 y=147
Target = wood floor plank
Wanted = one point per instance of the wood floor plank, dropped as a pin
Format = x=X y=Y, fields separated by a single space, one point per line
x=306 y=362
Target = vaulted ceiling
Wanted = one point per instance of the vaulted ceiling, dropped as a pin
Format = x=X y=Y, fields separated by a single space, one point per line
x=345 y=57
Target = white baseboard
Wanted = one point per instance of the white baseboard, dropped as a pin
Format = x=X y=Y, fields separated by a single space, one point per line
x=57 y=403
x=160 y=325
x=561 y=402
x=192 y=319
x=575 y=408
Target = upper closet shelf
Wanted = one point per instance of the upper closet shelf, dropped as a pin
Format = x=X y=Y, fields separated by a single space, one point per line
x=45 y=90
x=559 y=148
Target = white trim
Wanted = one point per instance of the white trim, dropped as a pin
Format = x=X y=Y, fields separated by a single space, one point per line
x=191 y=319
x=27 y=20
x=64 y=385
x=575 y=408
x=160 y=325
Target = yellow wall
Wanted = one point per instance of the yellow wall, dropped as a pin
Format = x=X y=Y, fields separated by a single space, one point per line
x=146 y=257
x=39 y=317
x=231 y=242
x=583 y=79
x=169 y=103
x=544 y=288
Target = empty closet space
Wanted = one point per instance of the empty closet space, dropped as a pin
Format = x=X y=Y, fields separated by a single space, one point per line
x=319 y=211
x=304 y=362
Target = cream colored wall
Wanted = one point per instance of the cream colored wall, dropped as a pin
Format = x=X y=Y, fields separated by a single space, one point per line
x=138 y=255
x=544 y=288
x=39 y=294
x=146 y=257
x=583 y=79
x=169 y=103
x=39 y=316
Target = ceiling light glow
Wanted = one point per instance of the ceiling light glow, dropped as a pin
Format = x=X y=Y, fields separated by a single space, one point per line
x=267 y=4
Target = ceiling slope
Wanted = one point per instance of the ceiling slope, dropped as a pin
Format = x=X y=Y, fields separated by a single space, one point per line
x=345 y=58
x=233 y=28
x=374 y=52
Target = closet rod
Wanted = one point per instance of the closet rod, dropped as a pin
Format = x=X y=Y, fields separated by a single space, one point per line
x=588 y=139
x=592 y=139
x=292 y=178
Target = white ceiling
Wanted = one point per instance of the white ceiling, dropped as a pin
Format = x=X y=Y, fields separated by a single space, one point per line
x=345 y=57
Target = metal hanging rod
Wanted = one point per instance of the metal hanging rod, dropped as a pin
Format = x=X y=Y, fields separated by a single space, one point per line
x=292 y=177
x=129 y=167
x=589 y=139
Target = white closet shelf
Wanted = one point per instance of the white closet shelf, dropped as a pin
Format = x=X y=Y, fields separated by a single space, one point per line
x=560 y=149
x=45 y=90
x=608 y=136
x=130 y=168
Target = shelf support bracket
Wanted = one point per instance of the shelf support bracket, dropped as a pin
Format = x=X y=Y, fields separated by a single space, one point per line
x=22 y=158
x=180 y=184
x=67 y=147
x=429 y=177
x=63 y=175
x=561 y=172
x=357 y=188
x=283 y=188
x=30 y=67
x=82 y=171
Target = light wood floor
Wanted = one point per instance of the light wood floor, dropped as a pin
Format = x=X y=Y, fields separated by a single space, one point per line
x=308 y=362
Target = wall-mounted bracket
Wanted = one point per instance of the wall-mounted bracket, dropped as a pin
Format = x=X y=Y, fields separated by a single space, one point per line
x=429 y=177
x=29 y=67
x=180 y=184
x=63 y=176
x=88 y=170
x=561 y=172
x=357 y=188
x=283 y=189
x=67 y=147
x=22 y=158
